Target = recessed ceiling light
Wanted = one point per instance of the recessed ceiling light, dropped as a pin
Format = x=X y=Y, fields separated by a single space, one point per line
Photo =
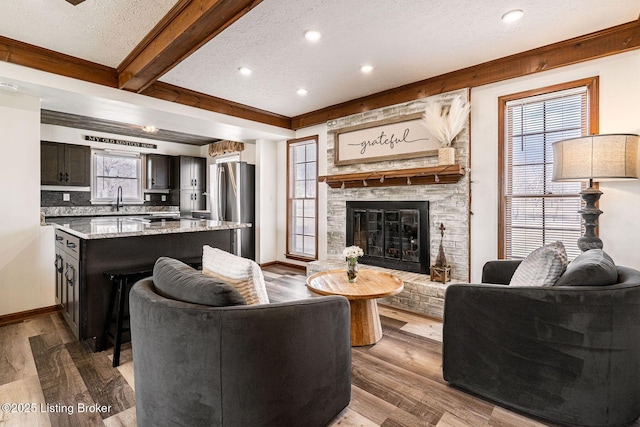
x=366 y=68
x=302 y=91
x=245 y=71
x=8 y=87
x=150 y=129
x=312 y=35
x=512 y=16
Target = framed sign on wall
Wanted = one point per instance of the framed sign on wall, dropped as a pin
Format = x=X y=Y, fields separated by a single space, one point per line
x=403 y=137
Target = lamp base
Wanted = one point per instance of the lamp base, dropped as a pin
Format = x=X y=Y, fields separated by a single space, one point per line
x=590 y=214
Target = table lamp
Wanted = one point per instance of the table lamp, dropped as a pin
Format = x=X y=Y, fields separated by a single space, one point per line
x=599 y=158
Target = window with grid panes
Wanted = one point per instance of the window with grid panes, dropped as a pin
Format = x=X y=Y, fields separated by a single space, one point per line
x=112 y=170
x=536 y=210
x=302 y=200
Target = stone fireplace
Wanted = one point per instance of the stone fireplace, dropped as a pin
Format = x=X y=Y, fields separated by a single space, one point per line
x=448 y=203
x=392 y=234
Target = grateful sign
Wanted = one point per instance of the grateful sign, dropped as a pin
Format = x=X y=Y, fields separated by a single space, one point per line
x=400 y=138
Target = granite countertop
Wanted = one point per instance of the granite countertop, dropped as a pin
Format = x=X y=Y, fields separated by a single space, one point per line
x=104 y=210
x=105 y=227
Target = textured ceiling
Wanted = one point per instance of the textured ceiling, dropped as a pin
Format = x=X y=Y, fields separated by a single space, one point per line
x=404 y=40
x=101 y=31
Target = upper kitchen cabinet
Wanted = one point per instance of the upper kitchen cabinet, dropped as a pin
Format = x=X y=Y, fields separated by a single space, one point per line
x=158 y=172
x=65 y=164
x=193 y=172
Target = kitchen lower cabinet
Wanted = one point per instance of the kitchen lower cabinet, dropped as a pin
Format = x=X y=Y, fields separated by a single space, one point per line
x=191 y=200
x=72 y=292
x=59 y=263
x=68 y=278
x=83 y=290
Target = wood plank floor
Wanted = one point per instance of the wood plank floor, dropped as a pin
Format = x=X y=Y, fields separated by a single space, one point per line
x=396 y=382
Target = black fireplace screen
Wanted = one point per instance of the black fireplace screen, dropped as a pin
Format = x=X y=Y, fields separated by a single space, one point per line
x=391 y=234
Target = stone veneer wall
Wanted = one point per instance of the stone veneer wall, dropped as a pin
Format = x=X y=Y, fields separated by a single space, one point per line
x=448 y=203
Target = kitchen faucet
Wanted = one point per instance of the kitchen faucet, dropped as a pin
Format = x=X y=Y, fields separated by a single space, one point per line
x=119 y=198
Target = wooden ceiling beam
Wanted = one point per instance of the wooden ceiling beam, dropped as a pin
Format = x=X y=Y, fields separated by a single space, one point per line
x=31 y=56
x=191 y=98
x=610 y=41
x=189 y=25
x=28 y=55
x=603 y=43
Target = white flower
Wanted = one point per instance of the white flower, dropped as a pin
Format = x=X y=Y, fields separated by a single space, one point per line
x=446 y=125
x=352 y=252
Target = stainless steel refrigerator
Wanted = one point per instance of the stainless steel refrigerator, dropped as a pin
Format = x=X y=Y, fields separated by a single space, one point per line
x=233 y=198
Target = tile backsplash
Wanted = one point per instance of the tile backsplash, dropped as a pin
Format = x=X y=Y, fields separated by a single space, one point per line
x=53 y=203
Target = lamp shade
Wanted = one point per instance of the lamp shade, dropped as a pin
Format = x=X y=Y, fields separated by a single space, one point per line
x=597 y=157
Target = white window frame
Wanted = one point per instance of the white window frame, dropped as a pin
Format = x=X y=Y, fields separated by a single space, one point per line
x=138 y=198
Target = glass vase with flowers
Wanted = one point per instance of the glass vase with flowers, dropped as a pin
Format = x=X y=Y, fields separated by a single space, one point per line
x=351 y=255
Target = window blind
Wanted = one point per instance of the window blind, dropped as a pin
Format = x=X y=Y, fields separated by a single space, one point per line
x=539 y=211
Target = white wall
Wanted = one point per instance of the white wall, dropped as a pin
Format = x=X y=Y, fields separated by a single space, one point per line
x=619 y=113
x=25 y=284
x=281 y=201
x=249 y=154
x=266 y=197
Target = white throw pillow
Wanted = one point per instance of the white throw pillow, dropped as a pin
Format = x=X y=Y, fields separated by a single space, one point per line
x=241 y=273
x=542 y=267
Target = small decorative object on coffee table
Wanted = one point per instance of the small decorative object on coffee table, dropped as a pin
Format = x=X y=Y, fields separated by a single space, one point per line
x=440 y=271
x=351 y=255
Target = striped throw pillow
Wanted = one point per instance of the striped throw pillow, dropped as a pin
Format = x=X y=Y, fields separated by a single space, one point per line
x=542 y=267
x=241 y=273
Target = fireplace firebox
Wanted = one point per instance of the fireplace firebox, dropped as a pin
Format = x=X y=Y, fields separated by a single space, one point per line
x=392 y=234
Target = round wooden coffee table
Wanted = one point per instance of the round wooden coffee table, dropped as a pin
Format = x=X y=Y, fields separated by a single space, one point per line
x=365 y=320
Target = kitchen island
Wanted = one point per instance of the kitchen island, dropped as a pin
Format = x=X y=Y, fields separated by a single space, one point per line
x=86 y=247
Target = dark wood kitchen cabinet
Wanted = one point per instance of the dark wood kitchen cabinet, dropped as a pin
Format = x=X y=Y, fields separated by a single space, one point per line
x=192 y=172
x=68 y=278
x=158 y=172
x=65 y=164
x=191 y=178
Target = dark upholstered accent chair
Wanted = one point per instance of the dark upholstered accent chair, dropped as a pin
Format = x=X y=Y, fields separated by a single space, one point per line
x=569 y=354
x=279 y=364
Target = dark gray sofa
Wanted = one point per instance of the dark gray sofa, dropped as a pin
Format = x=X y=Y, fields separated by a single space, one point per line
x=569 y=354
x=246 y=365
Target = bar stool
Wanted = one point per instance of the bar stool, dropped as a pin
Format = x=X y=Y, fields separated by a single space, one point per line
x=121 y=281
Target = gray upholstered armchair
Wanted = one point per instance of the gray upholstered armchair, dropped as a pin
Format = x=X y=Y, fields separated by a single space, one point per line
x=243 y=365
x=569 y=354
